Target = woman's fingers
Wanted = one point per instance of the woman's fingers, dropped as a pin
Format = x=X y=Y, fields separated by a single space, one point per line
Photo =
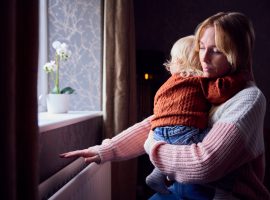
x=77 y=153
x=95 y=159
x=151 y=134
x=88 y=155
x=149 y=142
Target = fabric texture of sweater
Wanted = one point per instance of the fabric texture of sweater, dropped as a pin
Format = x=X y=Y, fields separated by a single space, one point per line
x=187 y=100
x=235 y=142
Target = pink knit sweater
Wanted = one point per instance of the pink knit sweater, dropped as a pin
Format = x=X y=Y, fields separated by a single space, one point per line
x=235 y=142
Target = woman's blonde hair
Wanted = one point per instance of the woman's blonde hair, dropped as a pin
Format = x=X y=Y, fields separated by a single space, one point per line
x=234 y=37
x=184 y=60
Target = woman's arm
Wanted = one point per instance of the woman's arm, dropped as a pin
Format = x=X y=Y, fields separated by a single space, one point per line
x=127 y=144
x=235 y=139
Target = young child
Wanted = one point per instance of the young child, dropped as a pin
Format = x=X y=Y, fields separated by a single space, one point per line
x=181 y=108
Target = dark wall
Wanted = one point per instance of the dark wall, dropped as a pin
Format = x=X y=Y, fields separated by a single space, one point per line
x=160 y=23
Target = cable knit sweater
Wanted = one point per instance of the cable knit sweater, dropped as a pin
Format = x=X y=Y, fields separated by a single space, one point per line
x=187 y=100
x=235 y=142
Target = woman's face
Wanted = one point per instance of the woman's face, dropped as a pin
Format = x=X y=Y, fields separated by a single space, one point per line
x=213 y=62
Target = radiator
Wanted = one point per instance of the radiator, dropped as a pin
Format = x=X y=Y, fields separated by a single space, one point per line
x=92 y=183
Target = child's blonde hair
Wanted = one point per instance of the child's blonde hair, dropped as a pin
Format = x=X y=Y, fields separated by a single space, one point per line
x=184 y=61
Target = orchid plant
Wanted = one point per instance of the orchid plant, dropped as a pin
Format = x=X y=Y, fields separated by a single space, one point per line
x=62 y=53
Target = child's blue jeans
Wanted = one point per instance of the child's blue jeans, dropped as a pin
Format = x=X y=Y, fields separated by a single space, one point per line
x=183 y=135
x=181 y=191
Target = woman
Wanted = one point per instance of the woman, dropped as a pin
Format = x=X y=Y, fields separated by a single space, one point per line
x=234 y=145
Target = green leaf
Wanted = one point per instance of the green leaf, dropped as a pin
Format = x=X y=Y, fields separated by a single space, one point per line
x=67 y=90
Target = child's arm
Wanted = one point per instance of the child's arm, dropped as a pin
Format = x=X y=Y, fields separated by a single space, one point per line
x=220 y=90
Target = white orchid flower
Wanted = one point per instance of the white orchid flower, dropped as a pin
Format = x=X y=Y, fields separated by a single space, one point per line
x=56 y=44
x=64 y=46
x=61 y=53
x=50 y=66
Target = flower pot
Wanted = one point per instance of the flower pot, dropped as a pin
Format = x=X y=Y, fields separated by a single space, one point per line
x=57 y=103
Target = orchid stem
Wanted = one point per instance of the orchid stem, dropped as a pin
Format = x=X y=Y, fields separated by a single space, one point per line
x=56 y=82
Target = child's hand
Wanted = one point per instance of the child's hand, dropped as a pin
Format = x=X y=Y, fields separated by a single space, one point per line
x=90 y=155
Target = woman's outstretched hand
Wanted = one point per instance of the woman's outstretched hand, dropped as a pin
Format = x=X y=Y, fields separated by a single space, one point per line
x=89 y=155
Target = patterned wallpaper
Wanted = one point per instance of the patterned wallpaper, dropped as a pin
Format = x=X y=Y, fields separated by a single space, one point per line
x=78 y=24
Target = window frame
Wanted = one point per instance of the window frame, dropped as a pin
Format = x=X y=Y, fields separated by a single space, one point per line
x=42 y=55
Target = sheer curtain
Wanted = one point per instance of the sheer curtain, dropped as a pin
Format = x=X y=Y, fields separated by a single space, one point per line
x=119 y=87
x=18 y=101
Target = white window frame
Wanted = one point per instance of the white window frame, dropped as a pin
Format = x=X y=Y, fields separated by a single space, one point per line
x=42 y=55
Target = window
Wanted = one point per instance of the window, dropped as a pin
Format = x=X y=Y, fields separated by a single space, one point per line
x=78 y=23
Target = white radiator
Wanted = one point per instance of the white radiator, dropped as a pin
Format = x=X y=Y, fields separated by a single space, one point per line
x=92 y=183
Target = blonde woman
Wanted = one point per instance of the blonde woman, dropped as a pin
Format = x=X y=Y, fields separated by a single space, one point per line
x=234 y=143
x=181 y=108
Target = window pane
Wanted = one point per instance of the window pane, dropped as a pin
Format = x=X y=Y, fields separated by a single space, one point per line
x=78 y=24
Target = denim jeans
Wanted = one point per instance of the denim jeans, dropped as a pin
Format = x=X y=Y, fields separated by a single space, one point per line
x=181 y=191
x=183 y=135
x=179 y=134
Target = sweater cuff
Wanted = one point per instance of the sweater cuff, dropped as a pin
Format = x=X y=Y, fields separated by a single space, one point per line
x=105 y=151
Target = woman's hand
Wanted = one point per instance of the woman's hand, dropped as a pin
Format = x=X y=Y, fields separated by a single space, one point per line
x=90 y=155
x=149 y=141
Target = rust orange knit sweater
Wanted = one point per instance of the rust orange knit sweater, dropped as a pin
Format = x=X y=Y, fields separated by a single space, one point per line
x=186 y=100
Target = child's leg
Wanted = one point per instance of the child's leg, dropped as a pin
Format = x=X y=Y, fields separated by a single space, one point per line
x=156 y=181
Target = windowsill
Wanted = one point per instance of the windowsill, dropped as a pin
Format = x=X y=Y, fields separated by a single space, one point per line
x=47 y=121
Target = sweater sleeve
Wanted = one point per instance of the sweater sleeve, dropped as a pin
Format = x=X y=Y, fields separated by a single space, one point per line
x=127 y=144
x=235 y=139
x=219 y=90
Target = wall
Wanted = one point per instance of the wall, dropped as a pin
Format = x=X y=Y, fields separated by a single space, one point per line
x=78 y=23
